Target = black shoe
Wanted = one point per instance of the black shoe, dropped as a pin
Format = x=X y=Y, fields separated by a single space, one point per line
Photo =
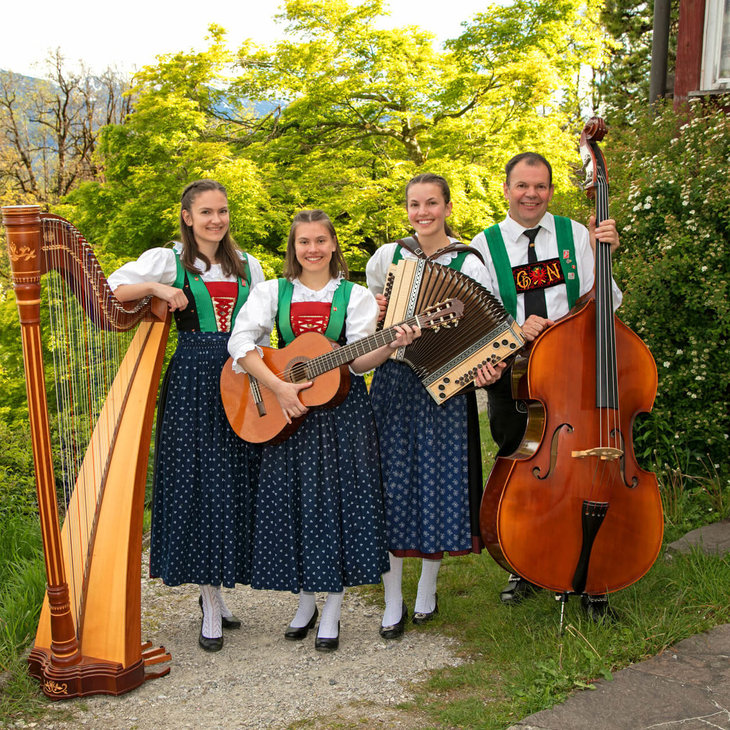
x=226 y=623
x=597 y=608
x=295 y=634
x=327 y=644
x=209 y=644
x=517 y=590
x=420 y=617
x=396 y=630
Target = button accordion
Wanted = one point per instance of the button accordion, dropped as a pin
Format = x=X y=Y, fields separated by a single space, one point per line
x=446 y=360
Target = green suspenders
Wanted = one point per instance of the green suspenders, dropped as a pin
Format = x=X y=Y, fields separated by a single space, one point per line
x=340 y=300
x=566 y=250
x=206 y=314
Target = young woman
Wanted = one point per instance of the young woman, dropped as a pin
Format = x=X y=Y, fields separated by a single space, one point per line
x=205 y=476
x=319 y=512
x=430 y=461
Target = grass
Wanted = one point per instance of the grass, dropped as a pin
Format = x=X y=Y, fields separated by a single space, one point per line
x=22 y=586
x=520 y=663
x=516 y=661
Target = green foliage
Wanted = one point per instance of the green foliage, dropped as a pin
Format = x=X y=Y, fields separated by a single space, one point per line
x=22 y=582
x=353 y=112
x=672 y=194
x=624 y=77
x=22 y=586
x=17 y=482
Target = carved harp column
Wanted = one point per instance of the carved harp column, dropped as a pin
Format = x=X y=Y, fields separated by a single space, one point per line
x=89 y=634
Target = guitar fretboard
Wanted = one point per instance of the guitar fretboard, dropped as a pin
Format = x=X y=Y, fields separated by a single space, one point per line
x=342 y=355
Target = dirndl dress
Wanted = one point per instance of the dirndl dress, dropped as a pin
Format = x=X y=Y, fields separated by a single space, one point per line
x=319 y=512
x=425 y=458
x=320 y=522
x=205 y=475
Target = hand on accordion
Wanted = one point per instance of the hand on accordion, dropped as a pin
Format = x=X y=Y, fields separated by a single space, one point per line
x=489 y=374
x=382 y=306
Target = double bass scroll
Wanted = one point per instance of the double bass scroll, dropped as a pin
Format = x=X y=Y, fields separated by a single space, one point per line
x=107 y=365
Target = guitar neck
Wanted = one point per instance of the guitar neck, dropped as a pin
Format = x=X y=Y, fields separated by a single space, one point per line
x=342 y=355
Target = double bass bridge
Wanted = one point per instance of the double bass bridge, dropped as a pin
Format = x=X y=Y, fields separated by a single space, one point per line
x=604 y=453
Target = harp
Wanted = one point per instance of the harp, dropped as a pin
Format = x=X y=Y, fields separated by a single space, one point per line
x=107 y=363
x=446 y=361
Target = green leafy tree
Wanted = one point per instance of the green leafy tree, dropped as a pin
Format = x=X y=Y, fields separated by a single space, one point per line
x=362 y=109
x=624 y=77
x=166 y=142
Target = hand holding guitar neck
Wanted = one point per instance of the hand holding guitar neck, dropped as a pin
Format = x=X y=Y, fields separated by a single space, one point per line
x=315 y=371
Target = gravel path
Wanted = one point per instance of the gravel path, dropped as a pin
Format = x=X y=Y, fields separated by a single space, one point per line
x=259 y=680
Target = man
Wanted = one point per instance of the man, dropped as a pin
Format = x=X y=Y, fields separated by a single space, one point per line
x=558 y=252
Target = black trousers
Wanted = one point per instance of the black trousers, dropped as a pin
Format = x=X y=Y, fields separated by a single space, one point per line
x=507 y=416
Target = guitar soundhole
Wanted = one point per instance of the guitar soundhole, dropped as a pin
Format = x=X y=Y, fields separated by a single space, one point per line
x=298 y=372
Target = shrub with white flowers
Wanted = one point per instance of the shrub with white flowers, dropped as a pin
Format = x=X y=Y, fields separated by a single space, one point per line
x=670 y=194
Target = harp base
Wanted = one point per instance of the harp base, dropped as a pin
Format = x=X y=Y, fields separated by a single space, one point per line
x=93 y=676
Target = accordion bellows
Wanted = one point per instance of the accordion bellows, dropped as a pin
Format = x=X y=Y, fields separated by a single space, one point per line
x=446 y=360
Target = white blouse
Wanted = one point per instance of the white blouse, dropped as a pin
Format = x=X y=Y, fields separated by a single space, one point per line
x=159 y=265
x=379 y=263
x=257 y=318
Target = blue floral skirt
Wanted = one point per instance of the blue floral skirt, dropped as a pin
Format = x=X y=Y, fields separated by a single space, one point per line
x=319 y=511
x=431 y=499
x=205 y=475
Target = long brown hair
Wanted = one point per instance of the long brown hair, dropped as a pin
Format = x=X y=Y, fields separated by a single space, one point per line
x=292 y=268
x=228 y=250
x=430 y=177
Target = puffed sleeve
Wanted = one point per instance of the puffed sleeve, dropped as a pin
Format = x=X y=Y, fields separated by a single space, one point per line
x=475 y=269
x=257 y=273
x=362 y=314
x=156 y=264
x=255 y=320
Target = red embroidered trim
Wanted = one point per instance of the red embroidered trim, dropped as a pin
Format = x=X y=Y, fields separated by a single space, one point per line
x=223 y=295
x=309 y=317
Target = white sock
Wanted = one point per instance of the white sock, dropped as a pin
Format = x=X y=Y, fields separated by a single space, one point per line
x=225 y=611
x=329 y=624
x=305 y=611
x=212 y=624
x=426 y=596
x=392 y=582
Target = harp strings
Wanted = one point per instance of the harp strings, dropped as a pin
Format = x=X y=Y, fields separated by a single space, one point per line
x=86 y=353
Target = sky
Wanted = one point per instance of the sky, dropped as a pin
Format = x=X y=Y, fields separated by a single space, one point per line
x=129 y=34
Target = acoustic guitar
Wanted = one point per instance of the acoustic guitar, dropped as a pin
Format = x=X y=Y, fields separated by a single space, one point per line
x=254 y=411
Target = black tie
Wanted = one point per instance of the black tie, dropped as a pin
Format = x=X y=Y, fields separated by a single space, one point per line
x=534 y=299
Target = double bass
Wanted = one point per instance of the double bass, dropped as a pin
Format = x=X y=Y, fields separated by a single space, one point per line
x=571 y=510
